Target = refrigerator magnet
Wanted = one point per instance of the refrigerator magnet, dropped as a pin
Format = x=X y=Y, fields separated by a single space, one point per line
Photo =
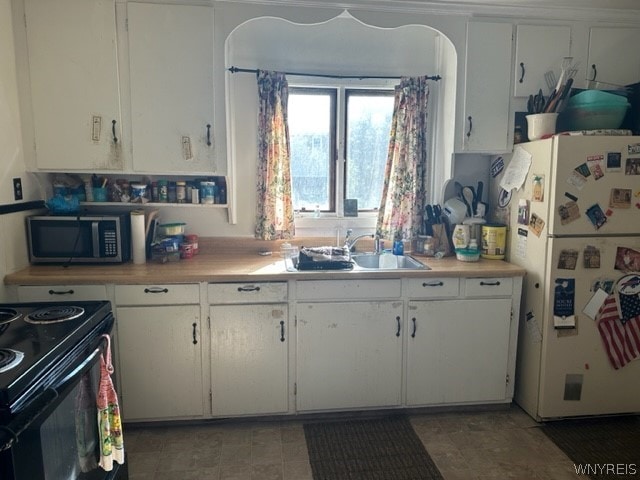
x=537 y=188
x=620 y=198
x=497 y=166
x=577 y=179
x=568 y=212
x=594 y=163
x=583 y=170
x=536 y=224
x=523 y=211
x=605 y=284
x=633 y=148
x=614 y=162
x=568 y=259
x=521 y=246
x=596 y=216
x=627 y=260
x=564 y=303
x=591 y=257
x=632 y=166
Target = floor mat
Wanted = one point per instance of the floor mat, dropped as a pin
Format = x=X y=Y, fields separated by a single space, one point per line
x=603 y=448
x=374 y=449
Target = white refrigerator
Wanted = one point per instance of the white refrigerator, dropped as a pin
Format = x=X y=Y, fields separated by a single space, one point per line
x=574 y=224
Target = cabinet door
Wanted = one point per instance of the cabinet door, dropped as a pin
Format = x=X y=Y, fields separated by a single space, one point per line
x=486 y=113
x=249 y=359
x=160 y=362
x=539 y=48
x=613 y=55
x=74 y=84
x=171 y=62
x=349 y=355
x=457 y=351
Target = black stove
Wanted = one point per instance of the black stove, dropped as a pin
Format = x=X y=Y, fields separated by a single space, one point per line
x=35 y=337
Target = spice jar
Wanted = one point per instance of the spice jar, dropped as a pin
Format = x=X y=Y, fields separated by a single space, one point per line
x=163 y=191
x=172 y=196
x=181 y=192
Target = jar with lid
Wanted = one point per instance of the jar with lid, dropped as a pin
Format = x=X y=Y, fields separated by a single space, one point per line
x=172 y=196
x=154 y=192
x=163 y=191
x=192 y=239
x=181 y=192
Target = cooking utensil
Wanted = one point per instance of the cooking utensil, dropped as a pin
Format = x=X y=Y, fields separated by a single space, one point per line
x=550 y=78
x=469 y=199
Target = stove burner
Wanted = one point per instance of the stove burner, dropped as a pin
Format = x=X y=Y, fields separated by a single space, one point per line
x=54 y=314
x=9 y=359
x=8 y=315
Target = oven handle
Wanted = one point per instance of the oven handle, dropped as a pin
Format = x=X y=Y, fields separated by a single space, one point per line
x=23 y=420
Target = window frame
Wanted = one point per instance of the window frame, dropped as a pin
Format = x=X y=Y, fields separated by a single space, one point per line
x=333 y=148
x=338 y=169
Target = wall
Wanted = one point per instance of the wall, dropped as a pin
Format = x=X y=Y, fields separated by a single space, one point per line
x=13 y=252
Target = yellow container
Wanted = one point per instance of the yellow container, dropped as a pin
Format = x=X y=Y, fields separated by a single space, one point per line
x=494 y=240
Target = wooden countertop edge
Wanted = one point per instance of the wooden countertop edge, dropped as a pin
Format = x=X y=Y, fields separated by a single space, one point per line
x=241 y=268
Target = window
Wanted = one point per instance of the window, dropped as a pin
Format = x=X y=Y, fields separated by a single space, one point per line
x=353 y=124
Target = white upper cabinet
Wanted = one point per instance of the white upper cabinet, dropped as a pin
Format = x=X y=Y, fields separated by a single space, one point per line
x=613 y=55
x=74 y=84
x=171 y=68
x=487 y=85
x=539 y=49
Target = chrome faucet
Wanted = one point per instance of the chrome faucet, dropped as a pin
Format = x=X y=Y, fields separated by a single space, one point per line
x=349 y=243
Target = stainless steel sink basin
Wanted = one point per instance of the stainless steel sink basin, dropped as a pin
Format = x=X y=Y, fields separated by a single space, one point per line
x=372 y=261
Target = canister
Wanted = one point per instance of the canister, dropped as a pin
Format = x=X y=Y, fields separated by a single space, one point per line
x=207 y=192
x=138 y=192
x=192 y=239
x=494 y=239
x=181 y=192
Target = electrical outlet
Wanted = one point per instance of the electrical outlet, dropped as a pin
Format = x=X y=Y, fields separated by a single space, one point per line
x=17 y=188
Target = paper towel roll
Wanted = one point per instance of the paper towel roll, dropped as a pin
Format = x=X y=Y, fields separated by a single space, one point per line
x=138 y=240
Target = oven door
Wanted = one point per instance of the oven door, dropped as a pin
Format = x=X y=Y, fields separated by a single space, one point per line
x=57 y=433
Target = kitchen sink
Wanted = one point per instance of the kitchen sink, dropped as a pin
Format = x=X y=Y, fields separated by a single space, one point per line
x=386 y=261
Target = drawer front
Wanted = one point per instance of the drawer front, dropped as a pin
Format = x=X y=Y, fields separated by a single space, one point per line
x=432 y=287
x=262 y=292
x=347 y=289
x=61 y=293
x=488 y=287
x=157 y=294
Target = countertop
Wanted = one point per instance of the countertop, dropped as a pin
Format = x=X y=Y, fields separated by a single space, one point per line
x=239 y=261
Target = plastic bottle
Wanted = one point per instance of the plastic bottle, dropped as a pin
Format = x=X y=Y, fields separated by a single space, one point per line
x=316 y=212
x=473 y=246
x=181 y=192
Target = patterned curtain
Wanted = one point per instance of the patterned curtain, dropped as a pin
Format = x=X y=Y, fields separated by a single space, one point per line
x=274 y=217
x=403 y=193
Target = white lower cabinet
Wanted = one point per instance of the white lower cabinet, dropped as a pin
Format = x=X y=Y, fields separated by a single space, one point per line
x=457 y=351
x=160 y=350
x=249 y=359
x=249 y=348
x=349 y=355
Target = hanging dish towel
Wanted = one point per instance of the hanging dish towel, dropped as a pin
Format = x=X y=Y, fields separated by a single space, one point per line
x=109 y=421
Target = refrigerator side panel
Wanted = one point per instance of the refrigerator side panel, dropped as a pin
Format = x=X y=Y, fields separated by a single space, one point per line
x=577 y=378
x=528 y=250
x=596 y=190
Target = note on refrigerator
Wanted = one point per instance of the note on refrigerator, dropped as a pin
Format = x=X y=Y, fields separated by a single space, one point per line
x=516 y=172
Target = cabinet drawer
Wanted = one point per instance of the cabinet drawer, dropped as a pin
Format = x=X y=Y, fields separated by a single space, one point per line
x=264 y=292
x=61 y=293
x=488 y=287
x=157 y=294
x=347 y=289
x=432 y=287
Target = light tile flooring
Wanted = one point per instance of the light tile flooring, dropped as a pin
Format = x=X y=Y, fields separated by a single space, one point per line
x=487 y=445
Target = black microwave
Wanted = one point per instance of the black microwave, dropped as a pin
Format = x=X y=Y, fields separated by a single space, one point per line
x=79 y=238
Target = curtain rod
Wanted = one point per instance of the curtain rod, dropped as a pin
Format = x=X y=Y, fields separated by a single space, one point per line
x=321 y=75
